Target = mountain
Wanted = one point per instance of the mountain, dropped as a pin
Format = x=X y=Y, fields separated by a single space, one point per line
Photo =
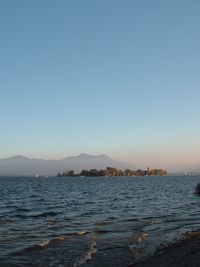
x=20 y=165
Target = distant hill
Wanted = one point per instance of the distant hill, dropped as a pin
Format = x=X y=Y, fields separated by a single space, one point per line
x=20 y=165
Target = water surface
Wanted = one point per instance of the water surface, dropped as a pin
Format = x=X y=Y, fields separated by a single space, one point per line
x=93 y=221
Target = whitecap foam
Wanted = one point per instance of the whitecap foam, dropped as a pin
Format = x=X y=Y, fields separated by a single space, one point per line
x=44 y=243
x=47 y=242
x=87 y=256
x=81 y=233
x=140 y=238
x=60 y=238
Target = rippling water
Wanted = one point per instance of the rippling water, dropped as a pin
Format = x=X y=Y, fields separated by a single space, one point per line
x=93 y=221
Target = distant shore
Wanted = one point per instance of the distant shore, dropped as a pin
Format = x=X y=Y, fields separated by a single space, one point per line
x=109 y=171
x=186 y=252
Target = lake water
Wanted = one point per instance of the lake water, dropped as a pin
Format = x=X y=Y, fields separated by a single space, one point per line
x=100 y=221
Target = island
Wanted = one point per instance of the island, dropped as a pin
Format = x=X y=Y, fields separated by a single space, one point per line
x=109 y=171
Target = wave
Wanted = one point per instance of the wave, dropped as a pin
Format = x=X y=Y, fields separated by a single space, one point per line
x=112 y=218
x=44 y=243
x=87 y=256
x=191 y=235
x=37 y=215
x=101 y=231
x=81 y=233
x=47 y=242
x=22 y=210
x=138 y=239
x=132 y=220
x=180 y=251
x=88 y=213
x=53 y=226
x=108 y=220
x=155 y=221
x=103 y=222
x=45 y=214
x=6 y=221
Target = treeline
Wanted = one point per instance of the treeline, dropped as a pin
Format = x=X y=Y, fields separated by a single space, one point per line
x=113 y=172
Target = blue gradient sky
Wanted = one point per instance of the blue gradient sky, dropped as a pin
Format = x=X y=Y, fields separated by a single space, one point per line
x=102 y=77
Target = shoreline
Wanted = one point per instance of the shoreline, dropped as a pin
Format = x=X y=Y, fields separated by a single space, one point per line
x=185 y=252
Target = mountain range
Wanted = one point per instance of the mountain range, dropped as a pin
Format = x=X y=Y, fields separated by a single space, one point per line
x=20 y=165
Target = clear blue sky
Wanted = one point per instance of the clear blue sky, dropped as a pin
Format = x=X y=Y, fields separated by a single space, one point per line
x=103 y=77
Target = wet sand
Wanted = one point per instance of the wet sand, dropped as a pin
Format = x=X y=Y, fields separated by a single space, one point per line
x=186 y=252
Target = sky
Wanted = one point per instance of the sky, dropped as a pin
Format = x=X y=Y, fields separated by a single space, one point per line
x=108 y=77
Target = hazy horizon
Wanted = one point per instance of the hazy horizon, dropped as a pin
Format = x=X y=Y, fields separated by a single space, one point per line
x=138 y=162
x=107 y=77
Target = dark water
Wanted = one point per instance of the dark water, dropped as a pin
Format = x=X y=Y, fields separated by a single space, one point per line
x=93 y=221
